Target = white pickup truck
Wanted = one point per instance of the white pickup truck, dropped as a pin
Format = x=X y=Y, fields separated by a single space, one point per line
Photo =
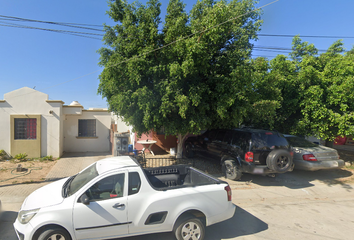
x=115 y=198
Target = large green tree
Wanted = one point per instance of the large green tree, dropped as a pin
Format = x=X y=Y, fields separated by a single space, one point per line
x=314 y=91
x=188 y=73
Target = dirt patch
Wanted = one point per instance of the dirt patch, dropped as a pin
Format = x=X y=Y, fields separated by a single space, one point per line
x=348 y=157
x=33 y=171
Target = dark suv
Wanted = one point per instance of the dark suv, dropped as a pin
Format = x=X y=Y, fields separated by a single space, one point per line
x=243 y=150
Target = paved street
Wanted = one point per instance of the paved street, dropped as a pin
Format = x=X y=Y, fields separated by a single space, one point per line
x=297 y=205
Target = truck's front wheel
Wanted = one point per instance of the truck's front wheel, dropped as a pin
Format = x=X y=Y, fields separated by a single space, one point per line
x=190 y=229
x=54 y=233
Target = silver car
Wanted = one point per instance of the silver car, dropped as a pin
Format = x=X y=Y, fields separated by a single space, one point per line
x=310 y=156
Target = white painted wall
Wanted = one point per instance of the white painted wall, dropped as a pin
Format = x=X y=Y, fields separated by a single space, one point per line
x=121 y=125
x=71 y=128
x=29 y=101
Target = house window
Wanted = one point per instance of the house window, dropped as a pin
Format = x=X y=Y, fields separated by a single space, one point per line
x=87 y=127
x=26 y=128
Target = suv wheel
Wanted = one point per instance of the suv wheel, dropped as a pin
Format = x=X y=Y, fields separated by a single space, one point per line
x=279 y=161
x=231 y=170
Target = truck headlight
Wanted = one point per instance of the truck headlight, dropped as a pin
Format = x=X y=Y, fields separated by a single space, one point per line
x=25 y=216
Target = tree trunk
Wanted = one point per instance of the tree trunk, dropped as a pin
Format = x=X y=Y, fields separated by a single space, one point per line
x=180 y=145
x=329 y=144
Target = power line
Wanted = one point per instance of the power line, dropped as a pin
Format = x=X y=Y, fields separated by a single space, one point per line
x=86 y=26
x=75 y=25
x=307 y=36
x=80 y=34
x=159 y=48
x=282 y=49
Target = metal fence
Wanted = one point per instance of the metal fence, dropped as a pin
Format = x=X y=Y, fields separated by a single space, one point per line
x=162 y=162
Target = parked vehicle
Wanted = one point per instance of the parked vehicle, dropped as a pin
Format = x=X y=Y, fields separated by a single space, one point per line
x=116 y=198
x=310 y=156
x=247 y=150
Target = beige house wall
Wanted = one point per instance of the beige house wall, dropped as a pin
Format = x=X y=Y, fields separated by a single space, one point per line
x=57 y=125
x=74 y=143
x=27 y=101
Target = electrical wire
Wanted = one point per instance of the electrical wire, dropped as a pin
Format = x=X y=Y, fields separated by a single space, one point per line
x=303 y=36
x=74 y=25
x=47 y=29
x=159 y=48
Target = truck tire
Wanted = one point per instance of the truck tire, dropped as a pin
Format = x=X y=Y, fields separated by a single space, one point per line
x=279 y=161
x=231 y=170
x=190 y=229
x=54 y=233
x=189 y=151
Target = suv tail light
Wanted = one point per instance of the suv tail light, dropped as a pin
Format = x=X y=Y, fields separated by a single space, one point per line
x=309 y=157
x=229 y=193
x=249 y=156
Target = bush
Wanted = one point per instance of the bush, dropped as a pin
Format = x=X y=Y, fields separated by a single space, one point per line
x=3 y=154
x=49 y=158
x=21 y=156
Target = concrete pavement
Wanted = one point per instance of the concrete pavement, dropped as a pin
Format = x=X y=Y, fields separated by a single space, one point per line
x=296 y=205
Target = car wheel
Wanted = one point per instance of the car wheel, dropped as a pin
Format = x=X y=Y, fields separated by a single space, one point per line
x=189 y=151
x=54 y=233
x=231 y=170
x=279 y=161
x=190 y=229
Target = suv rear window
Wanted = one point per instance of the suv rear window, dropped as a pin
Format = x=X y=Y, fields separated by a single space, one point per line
x=242 y=140
x=268 y=141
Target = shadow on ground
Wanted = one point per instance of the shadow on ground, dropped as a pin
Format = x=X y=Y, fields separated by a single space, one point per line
x=241 y=224
x=294 y=180
x=7 y=218
x=302 y=179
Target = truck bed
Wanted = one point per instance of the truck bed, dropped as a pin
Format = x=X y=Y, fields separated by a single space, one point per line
x=177 y=176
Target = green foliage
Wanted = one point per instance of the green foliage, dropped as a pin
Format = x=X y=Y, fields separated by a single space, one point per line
x=2 y=153
x=47 y=158
x=21 y=156
x=315 y=92
x=199 y=78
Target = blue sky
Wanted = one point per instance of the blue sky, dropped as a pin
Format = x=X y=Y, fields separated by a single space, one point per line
x=66 y=67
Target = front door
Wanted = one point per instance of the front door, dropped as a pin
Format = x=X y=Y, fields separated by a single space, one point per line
x=106 y=214
x=26 y=135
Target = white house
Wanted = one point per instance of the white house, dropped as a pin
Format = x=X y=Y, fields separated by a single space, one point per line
x=32 y=124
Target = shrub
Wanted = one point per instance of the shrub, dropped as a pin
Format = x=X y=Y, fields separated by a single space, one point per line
x=3 y=154
x=49 y=158
x=21 y=156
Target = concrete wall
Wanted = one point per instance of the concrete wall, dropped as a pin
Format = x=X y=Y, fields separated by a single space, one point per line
x=163 y=143
x=100 y=143
x=31 y=102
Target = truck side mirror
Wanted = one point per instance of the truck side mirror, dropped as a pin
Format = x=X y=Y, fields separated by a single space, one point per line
x=84 y=199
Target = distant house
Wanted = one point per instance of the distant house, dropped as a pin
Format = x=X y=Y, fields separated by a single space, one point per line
x=32 y=124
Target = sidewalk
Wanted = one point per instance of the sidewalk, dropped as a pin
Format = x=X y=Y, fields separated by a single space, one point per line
x=72 y=163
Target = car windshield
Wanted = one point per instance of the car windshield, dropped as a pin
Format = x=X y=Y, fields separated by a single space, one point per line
x=82 y=178
x=300 y=142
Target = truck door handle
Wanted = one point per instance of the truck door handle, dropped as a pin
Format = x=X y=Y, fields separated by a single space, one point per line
x=118 y=205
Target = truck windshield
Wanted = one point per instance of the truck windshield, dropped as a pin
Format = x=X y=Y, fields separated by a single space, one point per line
x=82 y=178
